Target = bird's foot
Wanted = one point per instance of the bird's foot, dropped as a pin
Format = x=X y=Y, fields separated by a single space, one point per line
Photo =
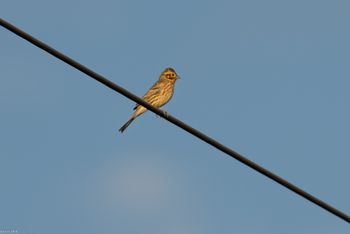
x=165 y=113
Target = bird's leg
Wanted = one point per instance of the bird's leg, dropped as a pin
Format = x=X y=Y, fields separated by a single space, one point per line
x=164 y=112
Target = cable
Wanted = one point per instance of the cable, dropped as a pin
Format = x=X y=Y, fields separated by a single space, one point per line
x=175 y=121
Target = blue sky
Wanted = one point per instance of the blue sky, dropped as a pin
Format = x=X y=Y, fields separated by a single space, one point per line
x=268 y=78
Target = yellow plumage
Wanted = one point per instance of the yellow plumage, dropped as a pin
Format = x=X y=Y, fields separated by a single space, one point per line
x=158 y=95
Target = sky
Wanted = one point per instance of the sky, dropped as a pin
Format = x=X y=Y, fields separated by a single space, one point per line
x=270 y=79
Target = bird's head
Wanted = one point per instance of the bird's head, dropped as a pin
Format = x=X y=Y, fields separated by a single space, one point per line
x=169 y=74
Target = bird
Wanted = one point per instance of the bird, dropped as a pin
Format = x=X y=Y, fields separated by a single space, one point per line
x=158 y=95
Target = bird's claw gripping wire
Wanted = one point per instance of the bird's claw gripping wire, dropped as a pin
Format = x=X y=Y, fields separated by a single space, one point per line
x=165 y=113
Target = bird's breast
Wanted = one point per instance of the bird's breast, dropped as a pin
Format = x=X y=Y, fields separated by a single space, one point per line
x=166 y=94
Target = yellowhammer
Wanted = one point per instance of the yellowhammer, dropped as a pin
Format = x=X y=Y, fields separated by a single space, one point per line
x=158 y=95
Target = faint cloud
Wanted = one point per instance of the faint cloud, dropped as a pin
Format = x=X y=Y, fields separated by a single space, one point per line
x=141 y=184
x=146 y=188
x=138 y=182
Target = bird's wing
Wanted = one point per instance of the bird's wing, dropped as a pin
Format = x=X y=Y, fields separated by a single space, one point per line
x=151 y=93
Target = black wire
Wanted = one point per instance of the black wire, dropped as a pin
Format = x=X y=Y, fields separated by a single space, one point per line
x=174 y=120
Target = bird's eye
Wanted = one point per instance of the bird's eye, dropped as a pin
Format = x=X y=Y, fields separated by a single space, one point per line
x=172 y=75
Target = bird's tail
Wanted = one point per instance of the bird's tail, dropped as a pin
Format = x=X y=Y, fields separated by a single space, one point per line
x=126 y=124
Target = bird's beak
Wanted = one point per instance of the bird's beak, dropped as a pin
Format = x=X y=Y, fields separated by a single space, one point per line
x=178 y=77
